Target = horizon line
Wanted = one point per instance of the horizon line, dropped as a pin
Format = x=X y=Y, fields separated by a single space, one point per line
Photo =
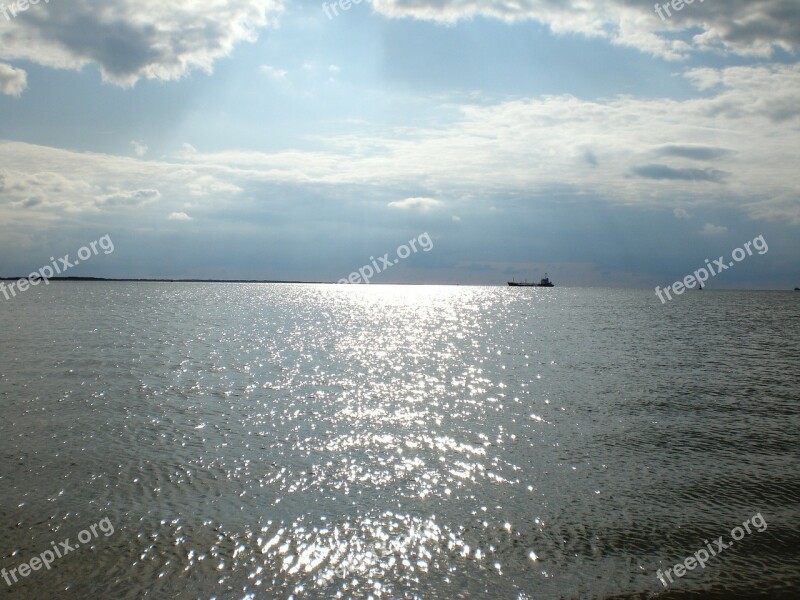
x=295 y=282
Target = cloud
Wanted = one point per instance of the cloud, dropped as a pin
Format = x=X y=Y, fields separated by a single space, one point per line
x=12 y=81
x=712 y=230
x=781 y=206
x=133 y=39
x=694 y=152
x=273 y=71
x=770 y=91
x=684 y=174
x=132 y=199
x=31 y=202
x=527 y=147
x=537 y=147
x=735 y=26
x=68 y=182
x=681 y=213
x=140 y=148
x=179 y=216
x=418 y=204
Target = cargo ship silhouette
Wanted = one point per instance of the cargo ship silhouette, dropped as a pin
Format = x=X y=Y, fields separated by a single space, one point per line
x=545 y=282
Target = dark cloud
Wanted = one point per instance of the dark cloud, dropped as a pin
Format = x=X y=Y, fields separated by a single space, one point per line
x=132 y=39
x=663 y=172
x=694 y=152
x=130 y=198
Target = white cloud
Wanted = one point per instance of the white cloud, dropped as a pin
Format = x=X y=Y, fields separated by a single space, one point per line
x=130 y=198
x=51 y=182
x=140 y=148
x=682 y=214
x=132 y=39
x=12 y=81
x=456 y=219
x=659 y=152
x=737 y=26
x=655 y=152
x=712 y=230
x=179 y=216
x=273 y=71
x=418 y=204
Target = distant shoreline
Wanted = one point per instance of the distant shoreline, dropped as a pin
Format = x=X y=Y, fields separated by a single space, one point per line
x=147 y=280
x=150 y=280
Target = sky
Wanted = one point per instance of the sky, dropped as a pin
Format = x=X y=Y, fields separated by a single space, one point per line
x=595 y=140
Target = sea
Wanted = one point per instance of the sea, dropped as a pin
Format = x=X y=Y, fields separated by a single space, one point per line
x=249 y=441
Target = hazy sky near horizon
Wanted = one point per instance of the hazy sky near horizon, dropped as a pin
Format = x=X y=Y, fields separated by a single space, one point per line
x=266 y=139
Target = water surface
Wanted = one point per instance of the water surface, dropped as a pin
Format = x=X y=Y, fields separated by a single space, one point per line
x=277 y=441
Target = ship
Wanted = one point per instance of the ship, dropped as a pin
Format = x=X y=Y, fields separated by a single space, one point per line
x=545 y=282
